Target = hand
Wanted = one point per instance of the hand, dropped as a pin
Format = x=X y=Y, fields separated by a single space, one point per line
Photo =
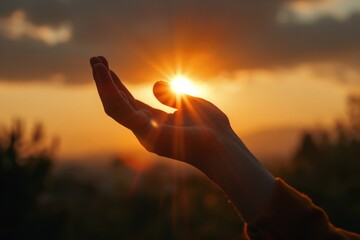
x=190 y=134
x=197 y=133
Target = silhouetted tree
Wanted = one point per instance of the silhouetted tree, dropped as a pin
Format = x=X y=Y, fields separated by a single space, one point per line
x=25 y=162
x=326 y=166
x=354 y=115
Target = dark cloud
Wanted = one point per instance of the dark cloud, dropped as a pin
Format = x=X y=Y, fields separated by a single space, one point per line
x=144 y=38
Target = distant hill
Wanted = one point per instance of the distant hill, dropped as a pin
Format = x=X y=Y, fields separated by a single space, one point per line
x=273 y=145
x=270 y=146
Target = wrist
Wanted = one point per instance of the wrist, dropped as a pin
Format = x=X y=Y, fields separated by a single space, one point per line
x=241 y=176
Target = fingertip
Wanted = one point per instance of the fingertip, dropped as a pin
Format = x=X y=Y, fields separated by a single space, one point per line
x=99 y=59
x=161 y=88
x=159 y=85
x=104 y=61
x=93 y=61
x=162 y=91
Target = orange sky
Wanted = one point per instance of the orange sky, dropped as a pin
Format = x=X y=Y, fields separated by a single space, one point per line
x=269 y=65
x=254 y=101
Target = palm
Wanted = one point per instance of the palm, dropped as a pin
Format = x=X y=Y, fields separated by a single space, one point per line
x=185 y=134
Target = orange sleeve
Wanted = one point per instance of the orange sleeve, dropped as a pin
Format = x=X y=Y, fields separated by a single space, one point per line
x=292 y=215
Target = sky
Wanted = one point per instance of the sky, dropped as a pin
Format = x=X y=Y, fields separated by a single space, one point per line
x=268 y=64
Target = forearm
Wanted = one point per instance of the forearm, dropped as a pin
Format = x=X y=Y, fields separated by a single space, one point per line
x=242 y=177
x=292 y=215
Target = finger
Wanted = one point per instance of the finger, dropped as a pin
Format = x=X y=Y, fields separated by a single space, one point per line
x=165 y=95
x=120 y=85
x=123 y=89
x=103 y=61
x=94 y=60
x=115 y=104
x=115 y=78
x=99 y=59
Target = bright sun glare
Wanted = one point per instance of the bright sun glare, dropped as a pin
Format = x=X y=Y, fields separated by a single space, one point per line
x=181 y=84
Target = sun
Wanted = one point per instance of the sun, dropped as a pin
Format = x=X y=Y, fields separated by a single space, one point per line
x=182 y=85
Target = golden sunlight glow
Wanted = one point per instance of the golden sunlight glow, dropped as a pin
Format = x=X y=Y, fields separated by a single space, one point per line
x=181 y=84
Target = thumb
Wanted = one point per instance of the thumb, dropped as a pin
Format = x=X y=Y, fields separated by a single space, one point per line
x=163 y=92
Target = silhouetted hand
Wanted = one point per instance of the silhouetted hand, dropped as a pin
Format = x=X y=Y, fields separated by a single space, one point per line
x=191 y=134
x=197 y=133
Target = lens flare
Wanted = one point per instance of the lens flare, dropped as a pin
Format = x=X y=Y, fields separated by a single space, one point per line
x=183 y=85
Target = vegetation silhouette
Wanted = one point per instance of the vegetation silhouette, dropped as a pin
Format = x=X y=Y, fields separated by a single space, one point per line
x=326 y=166
x=103 y=200
x=25 y=164
x=109 y=200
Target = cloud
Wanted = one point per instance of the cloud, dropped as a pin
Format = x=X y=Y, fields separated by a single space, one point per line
x=146 y=40
x=310 y=11
x=17 y=26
